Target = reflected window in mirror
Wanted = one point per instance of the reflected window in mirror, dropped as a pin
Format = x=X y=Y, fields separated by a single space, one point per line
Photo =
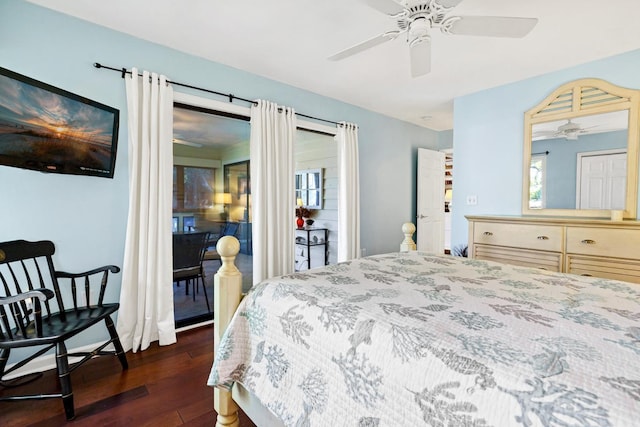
x=309 y=188
x=537 y=184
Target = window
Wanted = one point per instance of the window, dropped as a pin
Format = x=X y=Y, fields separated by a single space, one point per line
x=188 y=223
x=537 y=182
x=192 y=188
x=309 y=188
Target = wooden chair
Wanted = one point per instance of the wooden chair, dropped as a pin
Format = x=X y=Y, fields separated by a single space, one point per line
x=42 y=307
x=188 y=253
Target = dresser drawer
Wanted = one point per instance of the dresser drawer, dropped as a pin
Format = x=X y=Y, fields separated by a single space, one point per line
x=528 y=236
x=609 y=268
x=619 y=243
x=551 y=261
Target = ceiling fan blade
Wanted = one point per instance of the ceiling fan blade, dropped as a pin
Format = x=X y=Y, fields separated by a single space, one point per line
x=420 y=52
x=448 y=3
x=492 y=26
x=546 y=133
x=189 y=143
x=365 y=45
x=390 y=7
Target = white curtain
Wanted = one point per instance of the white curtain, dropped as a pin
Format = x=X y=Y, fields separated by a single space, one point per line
x=348 y=192
x=272 y=189
x=146 y=296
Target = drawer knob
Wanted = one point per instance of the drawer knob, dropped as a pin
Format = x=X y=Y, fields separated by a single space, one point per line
x=543 y=238
x=488 y=233
x=588 y=242
x=586 y=274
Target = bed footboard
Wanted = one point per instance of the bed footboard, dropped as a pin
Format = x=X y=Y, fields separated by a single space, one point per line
x=227 y=290
x=227 y=293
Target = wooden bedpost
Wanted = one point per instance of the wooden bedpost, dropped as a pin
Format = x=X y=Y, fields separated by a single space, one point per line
x=408 y=244
x=227 y=292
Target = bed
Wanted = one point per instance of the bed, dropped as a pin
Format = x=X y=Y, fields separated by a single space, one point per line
x=410 y=338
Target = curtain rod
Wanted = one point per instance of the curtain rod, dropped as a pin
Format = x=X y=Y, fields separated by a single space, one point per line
x=123 y=71
x=546 y=153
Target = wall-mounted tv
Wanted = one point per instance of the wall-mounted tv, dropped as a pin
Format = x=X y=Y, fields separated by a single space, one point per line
x=48 y=129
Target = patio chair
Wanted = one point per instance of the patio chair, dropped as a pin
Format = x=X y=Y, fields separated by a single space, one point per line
x=229 y=229
x=188 y=252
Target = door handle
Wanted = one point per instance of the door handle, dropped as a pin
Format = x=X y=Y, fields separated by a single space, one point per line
x=423 y=216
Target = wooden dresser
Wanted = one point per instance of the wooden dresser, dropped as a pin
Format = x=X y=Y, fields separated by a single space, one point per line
x=591 y=247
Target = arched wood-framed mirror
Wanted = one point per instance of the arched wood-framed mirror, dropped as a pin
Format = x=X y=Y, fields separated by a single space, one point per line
x=581 y=151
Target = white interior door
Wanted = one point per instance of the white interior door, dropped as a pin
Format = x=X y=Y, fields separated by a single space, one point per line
x=602 y=181
x=430 y=201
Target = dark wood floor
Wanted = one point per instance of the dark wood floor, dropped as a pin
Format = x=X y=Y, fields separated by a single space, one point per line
x=164 y=386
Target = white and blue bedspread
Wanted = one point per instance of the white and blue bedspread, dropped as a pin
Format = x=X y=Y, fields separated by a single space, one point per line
x=412 y=339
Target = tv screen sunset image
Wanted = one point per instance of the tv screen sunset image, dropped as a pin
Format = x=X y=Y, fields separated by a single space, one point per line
x=47 y=129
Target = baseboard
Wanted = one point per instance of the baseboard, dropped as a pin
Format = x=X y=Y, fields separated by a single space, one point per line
x=195 y=325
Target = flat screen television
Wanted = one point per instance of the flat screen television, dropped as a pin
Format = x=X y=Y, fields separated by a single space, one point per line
x=48 y=129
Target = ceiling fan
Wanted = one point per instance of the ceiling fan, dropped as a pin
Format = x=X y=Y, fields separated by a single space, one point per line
x=569 y=131
x=417 y=18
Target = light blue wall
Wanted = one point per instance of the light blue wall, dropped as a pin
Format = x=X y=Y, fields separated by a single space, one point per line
x=489 y=127
x=86 y=217
x=445 y=139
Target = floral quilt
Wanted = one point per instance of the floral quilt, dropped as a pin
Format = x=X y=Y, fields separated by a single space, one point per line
x=412 y=339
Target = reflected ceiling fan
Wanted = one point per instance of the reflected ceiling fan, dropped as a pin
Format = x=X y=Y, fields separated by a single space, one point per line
x=569 y=131
x=417 y=18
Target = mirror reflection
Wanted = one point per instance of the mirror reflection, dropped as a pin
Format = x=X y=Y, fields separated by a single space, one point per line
x=580 y=162
x=580 y=156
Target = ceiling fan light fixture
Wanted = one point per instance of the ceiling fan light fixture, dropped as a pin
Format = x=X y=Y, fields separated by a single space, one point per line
x=419 y=28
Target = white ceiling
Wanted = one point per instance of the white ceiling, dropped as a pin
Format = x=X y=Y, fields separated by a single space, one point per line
x=290 y=40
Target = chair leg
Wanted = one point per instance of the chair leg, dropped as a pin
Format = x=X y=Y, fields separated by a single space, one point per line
x=206 y=297
x=64 y=376
x=116 y=342
x=4 y=358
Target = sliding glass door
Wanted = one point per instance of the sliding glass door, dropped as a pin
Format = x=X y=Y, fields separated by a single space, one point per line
x=211 y=193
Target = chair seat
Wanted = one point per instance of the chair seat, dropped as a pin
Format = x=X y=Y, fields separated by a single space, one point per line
x=54 y=329
x=186 y=273
x=211 y=255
